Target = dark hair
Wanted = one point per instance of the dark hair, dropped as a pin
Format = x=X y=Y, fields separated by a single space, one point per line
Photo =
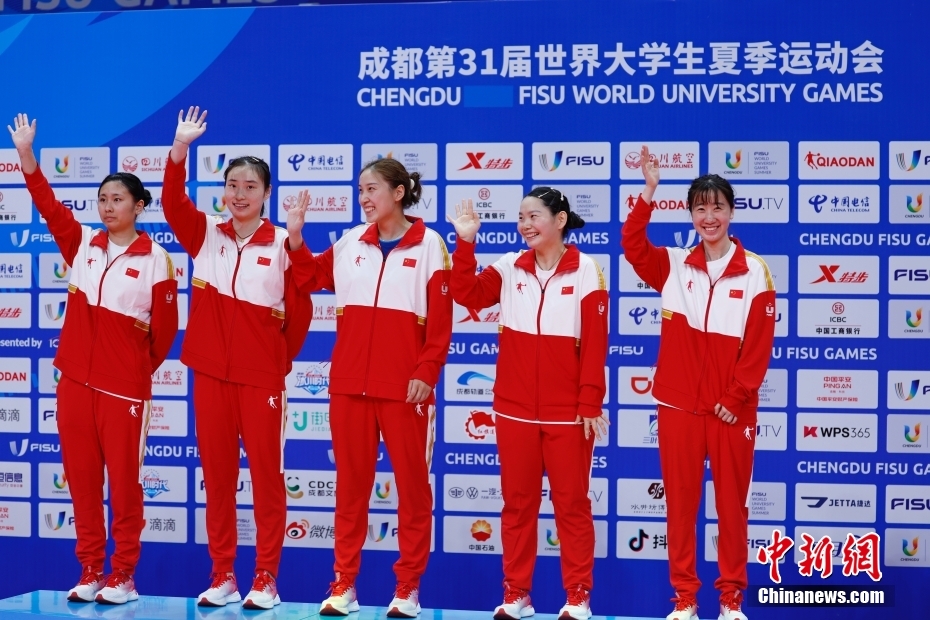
x=132 y=184
x=396 y=175
x=556 y=203
x=255 y=163
x=710 y=186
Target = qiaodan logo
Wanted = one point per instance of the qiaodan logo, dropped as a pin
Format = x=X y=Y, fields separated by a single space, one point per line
x=733 y=161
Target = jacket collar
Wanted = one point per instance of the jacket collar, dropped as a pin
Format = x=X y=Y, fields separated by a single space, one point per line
x=413 y=236
x=736 y=266
x=568 y=262
x=142 y=244
x=263 y=235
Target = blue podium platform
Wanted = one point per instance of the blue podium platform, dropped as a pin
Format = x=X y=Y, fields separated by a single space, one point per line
x=48 y=604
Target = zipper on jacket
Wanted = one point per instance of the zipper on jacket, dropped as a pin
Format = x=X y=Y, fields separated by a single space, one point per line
x=371 y=334
x=93 y=342
x=235 y=306
x=542 y=300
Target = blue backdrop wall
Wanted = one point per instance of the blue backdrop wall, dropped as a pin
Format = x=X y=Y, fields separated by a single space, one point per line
x=814 y=111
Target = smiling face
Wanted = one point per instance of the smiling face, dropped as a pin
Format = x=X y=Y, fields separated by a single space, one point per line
x=537 y=224
x=245 y=192
x=116 y=207
x=378 y=199
x=711 y=215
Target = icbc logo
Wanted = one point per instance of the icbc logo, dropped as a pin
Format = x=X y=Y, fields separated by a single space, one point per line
x=838 y=308
x=297 y=529
x=484 y=193
x=130 y=164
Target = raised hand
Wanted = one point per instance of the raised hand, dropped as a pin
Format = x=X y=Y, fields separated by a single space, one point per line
x=295 y=217
x=650 y=167
x=22 y=132
x=192 y=126
x=466 y=221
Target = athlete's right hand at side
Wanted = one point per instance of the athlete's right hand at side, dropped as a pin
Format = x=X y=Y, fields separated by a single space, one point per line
x=22 y=132
x=190 y=127
x=466 y=221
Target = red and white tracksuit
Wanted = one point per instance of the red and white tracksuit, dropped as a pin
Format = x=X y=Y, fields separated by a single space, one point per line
x=550 y=369
x=715 y=348
x=393 y=324
x=247 y=323
x=121 y=321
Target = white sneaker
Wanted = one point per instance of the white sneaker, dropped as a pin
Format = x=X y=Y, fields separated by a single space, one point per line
x=86 y=589
x=342 y=600
x=685 y=609
x=222 y=590
x=119 y=588
x=517 y=604
x=406 y=603
x=264 y=592
x=577 y=605
x=730 y=606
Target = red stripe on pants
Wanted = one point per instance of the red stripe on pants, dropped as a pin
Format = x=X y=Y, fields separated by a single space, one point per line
x=408 y=436
x=685 y=439
x=526 y=449
x=97 y=429
x=223 y=412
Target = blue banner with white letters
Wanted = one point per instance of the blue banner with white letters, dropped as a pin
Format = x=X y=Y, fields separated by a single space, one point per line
x=814 y=112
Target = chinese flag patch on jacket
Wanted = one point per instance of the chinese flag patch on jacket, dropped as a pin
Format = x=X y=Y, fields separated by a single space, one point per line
x=736 y=293
x=410 y=262
x=262 y=260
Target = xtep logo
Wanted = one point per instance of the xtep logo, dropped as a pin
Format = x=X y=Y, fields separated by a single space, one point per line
x=912 y=438
x=914 y=206
x=733 y=161
x=382 y=532
x=61 y=165
x=219 y=163
x=20 y=451
x=552 y=538
x=386 y=492
x=556 y=161
x=828 y=274
x=904 y=393
x=903 y=163
x=909 y=550
x=474 y=163
x=21 y=241
x=913 y=320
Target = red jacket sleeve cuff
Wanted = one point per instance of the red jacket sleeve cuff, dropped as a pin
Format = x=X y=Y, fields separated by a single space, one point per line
x=428 y=373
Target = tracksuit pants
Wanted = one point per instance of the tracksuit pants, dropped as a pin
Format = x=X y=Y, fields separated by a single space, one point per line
x=409 y=432
x=96 y=430
x=526 y=450
x=224 y=412
x=685 y=439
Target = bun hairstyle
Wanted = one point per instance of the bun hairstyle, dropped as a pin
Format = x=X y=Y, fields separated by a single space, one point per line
x=260 y=166
x=396 y=175
x=132 y=184
x=556 y=202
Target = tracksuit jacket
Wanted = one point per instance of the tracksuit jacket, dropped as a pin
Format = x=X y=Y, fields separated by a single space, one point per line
x=121 y=317
x=393 y=315
x=553 y=341
x=238 y=330
x=716 y=339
